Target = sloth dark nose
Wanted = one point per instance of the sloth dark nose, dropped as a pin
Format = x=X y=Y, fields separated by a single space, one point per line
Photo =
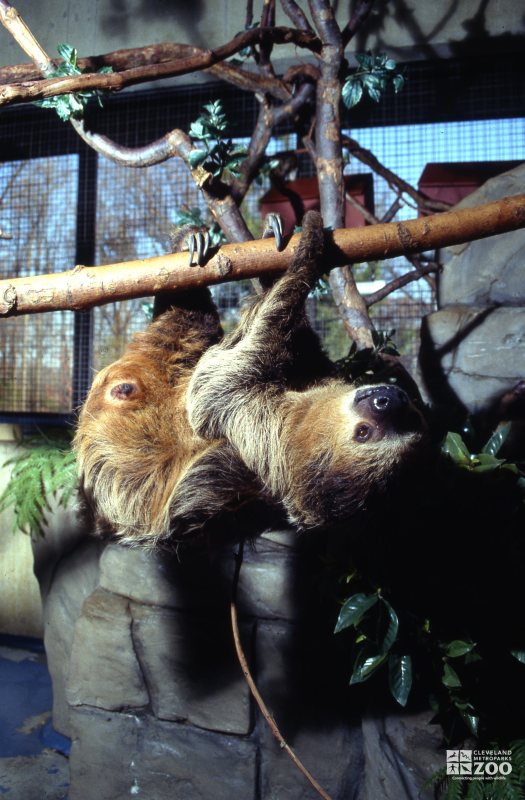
x=381 y=399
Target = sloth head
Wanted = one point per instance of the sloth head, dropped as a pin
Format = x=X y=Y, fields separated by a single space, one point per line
x=345 y=445
x=131 y=444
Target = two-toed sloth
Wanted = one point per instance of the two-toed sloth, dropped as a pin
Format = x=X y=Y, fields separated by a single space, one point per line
x=189 y=426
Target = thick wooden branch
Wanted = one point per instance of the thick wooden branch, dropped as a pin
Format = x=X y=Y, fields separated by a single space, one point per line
x=84 y=287
x=190 y=60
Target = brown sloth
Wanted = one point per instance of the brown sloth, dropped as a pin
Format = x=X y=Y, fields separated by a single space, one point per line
x=188 y=426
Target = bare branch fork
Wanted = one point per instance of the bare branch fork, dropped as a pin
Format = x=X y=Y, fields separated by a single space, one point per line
x=84 y=287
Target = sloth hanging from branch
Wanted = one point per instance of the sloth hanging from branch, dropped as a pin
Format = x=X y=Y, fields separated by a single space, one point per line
x=189 y=428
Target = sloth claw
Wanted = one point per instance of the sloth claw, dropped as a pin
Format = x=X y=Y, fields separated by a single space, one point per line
x=273 y=226
x=200 y=243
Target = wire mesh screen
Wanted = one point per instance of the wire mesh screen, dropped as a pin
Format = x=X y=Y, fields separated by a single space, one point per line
x=61 y=208
x=38 y=210
x=136 y=210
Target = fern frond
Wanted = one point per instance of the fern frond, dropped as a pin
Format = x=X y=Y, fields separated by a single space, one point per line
x=45 y=470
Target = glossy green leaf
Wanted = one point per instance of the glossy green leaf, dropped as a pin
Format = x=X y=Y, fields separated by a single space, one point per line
x=400 y=677
x=354 y=609
x=455 y=447
x=458 y=648
x=365 y=666
x=519 y=654
x=450 y=677
x=352 y=92
x=472 y=721
x=392 y=629
x=196 y=157
x=497 y=439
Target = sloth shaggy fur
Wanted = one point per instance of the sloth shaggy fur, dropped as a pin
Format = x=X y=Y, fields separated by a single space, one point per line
x=188 y=426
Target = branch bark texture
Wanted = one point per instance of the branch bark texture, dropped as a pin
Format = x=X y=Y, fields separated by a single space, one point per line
x=84 y=287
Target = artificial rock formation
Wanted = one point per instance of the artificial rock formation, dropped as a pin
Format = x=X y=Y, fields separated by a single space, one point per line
x=473 y=347
x=148 y=687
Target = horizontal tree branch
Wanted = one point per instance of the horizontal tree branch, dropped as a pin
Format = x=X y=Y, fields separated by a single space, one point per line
x=190 y=59
x=84 y=287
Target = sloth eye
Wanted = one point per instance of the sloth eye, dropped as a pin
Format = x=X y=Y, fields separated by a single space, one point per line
x=362 y=432
x=123 y=391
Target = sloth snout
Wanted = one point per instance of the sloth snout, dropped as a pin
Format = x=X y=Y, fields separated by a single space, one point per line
x=381 y=400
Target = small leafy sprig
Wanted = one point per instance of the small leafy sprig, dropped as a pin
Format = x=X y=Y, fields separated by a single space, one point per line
x=377 y=625
x=485 y=461
x=71 y=105
x=358 y=362
x=45 y=469
x=193 y=216
x=373 y=76
x=453 y=665
x=219 y=155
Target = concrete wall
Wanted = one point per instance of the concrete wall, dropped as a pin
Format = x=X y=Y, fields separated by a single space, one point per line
x=403 y=27
x=20 y=604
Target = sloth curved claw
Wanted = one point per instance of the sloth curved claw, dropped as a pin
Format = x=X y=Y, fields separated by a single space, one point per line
x=200 y=243
x=273 y=226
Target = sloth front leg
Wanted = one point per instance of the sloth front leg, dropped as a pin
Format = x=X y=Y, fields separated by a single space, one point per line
x=237 y=387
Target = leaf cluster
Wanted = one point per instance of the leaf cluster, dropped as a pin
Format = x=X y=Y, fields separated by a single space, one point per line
x=373 y=76
x=486 y=460
x=357 y=363
x=218 y=155
x=416 y=650
x=45 y=469
x=376 y=624
x=70 y=105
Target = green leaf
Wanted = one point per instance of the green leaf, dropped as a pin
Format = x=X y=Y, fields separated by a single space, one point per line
x=365 y=666
x=450 y=677
x=392 y=630
x=455 y=447
x=472 y=722
x=493 y=446
x=354 y=609
x=400 y=677
x=398 y=81
x=196 y=157
x=519 y=654
x=458 y=648
x=352 y=92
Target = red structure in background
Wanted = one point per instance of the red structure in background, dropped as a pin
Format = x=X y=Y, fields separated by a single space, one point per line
x=454 y=181
x=293 y=198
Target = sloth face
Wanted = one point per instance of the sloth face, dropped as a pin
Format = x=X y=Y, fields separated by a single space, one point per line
x=344 y=446
x=384 y=410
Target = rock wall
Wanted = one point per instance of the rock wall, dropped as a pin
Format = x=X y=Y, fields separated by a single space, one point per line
x=147 y=685
x=473 y=347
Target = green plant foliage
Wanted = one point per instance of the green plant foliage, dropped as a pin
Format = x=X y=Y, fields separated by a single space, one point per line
x=485 y=461
x=358 y=362
x=45 y=469
x=218 y=155
x=373 y=76
x=376 y=624
x=71 y=105
x=193 y=216
x=389 y=639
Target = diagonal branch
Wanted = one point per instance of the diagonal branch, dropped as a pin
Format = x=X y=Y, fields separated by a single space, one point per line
x=84 y=287
x=397 y=184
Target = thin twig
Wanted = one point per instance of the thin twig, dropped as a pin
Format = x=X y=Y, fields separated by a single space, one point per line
x=399 y=282
x=253 y=687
